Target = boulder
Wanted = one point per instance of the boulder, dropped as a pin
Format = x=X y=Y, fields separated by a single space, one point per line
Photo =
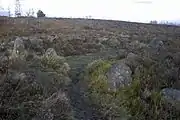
x=119 y=75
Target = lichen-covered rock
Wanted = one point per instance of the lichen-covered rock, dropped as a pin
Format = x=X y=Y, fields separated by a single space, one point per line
x=119 y=75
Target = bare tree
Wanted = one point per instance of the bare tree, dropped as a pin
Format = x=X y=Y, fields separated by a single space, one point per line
x=30 y=13
x=154 y=22
x=9 y=12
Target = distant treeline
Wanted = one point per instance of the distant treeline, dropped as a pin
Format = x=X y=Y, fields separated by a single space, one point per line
x=164 y=23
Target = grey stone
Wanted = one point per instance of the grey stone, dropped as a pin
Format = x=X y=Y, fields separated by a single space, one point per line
x=50 y=52
x=156 y=47
x=176 y=58
x=155 y=43
x=172 y=96
x=18 y=45
x=137 y=45
x=35 y=41
x=51 y=38
x=16 y=77
x=119 y=75
x=133 y=60
x=156 y=50
x=123 y=35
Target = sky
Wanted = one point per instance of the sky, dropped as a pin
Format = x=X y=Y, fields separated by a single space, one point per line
x=128 y=10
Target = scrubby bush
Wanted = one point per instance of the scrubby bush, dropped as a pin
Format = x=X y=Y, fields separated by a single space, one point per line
x=40 y=13
x=58 y=65
x=27 y=92
x=53 y=62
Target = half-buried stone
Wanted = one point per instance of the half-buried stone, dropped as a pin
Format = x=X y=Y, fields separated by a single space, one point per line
x=119 y=75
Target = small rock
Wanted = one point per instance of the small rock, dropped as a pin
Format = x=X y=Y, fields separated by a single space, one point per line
x=146 y=93
x=156 y=47
x=50 y=52
x=22 y=76
x=156 y=50
x=157 y=44
x=51 y=38
x=65 y=68
x=36 y=45
x=103 y=39
x=119 y=75
x=16 y=77
x=35 y=41
x=133 y=60
x=122 y=53
x=11 y=43
x=176 y=57
x=137 y=45
x=124 y=35
x=18 y=44
x=25 y=38
x=172 y=96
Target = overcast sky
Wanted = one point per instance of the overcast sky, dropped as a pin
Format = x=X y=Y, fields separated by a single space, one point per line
x=129 y=10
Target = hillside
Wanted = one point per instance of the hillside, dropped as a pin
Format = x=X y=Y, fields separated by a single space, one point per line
x=80 y=69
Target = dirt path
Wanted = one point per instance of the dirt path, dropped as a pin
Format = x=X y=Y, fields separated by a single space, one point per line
x=81 y=106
